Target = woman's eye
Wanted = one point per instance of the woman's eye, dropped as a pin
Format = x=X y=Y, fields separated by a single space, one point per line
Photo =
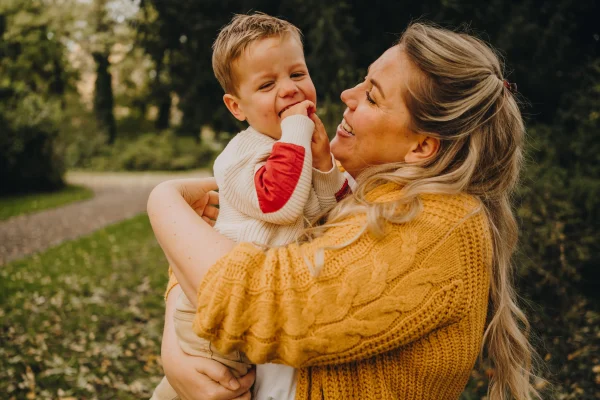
x=369 y=98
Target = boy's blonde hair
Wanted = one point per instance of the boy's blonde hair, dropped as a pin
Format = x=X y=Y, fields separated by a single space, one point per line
x=237 y=35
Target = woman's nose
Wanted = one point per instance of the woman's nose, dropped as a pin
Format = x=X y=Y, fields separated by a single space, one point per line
x=288 y=88
x=349 y=98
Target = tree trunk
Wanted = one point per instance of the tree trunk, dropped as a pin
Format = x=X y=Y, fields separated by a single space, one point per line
x=103 y=97
x=164 y=110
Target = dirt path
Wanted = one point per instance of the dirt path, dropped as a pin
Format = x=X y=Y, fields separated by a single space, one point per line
x=117 y=196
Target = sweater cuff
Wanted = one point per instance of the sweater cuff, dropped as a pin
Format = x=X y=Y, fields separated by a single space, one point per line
x=297 y=129
x=328 y=183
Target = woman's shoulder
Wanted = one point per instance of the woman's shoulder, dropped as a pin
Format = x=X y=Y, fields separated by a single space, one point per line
x=450 y=206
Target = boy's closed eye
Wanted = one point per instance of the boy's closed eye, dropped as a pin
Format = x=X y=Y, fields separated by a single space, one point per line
x=266 y=85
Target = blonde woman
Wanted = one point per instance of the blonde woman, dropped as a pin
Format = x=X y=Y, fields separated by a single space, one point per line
x=389 y=298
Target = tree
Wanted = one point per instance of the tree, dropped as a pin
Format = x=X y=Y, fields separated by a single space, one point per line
x=33 y=81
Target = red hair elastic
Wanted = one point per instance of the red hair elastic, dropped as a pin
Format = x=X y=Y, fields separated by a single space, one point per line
x=512 y=87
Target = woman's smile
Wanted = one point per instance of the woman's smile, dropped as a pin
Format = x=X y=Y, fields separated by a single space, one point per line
x=344 y=129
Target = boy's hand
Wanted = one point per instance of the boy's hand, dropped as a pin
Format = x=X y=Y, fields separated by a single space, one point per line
x=305 y=107
x=321 y=153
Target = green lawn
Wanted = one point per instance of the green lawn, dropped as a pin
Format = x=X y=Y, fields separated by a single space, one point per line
x=84 y=319
x=16 y=205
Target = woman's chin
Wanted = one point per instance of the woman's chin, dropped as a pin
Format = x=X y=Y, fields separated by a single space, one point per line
x=340 y=151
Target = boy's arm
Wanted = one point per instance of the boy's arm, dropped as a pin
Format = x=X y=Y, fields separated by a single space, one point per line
x=330 y=186
x=274 y=190
x=329 y=183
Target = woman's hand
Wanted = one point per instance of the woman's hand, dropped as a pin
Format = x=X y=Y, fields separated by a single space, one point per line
x=200 y=194
x=321 y=154
x=198 y=378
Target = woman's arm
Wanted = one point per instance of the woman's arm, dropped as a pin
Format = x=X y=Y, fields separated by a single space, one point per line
x=197 y=377
x=370 y=297
x=174 y=208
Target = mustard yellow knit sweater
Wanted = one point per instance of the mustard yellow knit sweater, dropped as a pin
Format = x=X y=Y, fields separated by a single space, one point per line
x=397 y=318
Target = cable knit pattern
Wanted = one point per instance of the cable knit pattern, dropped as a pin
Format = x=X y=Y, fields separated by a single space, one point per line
x=398 y=317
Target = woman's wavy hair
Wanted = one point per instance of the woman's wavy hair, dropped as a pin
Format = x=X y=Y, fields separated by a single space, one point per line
x=459 y=96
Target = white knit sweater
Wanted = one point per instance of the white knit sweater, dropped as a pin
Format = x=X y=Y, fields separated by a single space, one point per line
x=268 y=189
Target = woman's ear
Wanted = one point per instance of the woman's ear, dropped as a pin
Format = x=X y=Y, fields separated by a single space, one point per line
x=424 y=148
x=233 y=105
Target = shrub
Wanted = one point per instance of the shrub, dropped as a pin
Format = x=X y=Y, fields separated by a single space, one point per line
x=151 y=152
x=29 y=159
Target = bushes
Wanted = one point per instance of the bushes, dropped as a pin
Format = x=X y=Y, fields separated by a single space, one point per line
x=154 y=152
x=29 y=159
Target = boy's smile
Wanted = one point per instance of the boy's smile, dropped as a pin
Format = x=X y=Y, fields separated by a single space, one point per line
x=272 y=76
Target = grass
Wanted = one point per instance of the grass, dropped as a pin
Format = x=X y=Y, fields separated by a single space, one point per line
x=84 y=320
x=25 y=204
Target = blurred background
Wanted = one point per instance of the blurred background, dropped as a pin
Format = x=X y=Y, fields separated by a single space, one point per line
x=97 y=94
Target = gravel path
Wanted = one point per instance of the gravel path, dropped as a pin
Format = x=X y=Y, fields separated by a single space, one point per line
x=117 y=196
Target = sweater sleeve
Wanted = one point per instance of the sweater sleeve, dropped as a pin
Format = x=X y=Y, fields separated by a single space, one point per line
x=274 y=190
x=330 y=187
x=369 y=298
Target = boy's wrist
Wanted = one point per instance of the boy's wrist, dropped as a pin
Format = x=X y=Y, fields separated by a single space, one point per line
x=297 y=129
x=323 y=164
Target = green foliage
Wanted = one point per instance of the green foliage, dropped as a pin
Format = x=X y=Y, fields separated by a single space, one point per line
x=11 y=206
x=150 y=152
x=84 y=319
x=32 y=82
x=29 y=160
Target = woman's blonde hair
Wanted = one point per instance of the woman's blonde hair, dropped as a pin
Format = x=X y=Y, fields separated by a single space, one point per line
x=459 y=96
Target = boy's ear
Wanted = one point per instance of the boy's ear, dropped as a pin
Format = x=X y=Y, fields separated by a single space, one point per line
x=233 y=105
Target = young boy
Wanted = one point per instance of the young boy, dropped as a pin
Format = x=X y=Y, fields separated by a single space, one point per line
x=274 y=176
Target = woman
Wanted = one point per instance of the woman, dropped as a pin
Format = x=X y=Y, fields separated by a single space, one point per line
x=389 y=298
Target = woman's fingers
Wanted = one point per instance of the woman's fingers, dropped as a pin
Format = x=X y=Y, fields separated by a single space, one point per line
x=247 y=380
x=210 y=185
x=211 y=212
x=230 y=387
x=209 y=221
x=245 y=396
x=219 y=373
x=213 y=197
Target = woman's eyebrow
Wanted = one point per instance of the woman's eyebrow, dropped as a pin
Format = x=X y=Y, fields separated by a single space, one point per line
x=375 y=83
x=378 y=86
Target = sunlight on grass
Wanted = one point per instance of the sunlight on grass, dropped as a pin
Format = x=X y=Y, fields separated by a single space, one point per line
x=25 y=204
x=84 y=319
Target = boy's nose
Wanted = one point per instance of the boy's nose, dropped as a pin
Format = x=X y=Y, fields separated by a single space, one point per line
x=349 y=98
x=288 y=88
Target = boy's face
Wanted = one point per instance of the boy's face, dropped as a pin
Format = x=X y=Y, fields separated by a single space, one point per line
x=272 y=76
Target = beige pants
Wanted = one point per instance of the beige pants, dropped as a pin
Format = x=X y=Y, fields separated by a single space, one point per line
x=193 y=345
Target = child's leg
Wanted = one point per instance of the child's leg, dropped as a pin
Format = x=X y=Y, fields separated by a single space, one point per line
x=164 y=391
x=195 y=346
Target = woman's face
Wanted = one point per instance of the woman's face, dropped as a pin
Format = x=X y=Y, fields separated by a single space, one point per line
x=375 y=125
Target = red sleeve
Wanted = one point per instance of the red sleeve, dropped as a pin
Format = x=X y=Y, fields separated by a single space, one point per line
x=276 y=181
